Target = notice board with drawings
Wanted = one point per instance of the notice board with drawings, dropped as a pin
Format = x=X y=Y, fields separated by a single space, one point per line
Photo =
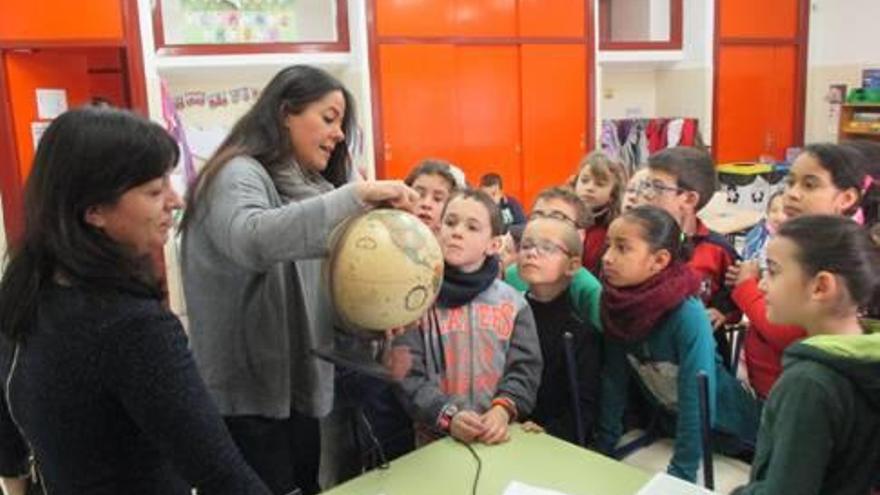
x=207 y=108
x=219 y=22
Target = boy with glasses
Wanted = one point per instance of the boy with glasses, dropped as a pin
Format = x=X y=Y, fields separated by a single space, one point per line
x=549 y=257
x=562 y=204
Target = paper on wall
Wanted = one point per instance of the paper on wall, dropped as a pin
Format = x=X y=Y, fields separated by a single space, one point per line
x=51 y=103
x=37 y=130
x=204 y=142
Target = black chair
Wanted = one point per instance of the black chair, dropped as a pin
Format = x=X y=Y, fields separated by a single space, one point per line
x=706 y=430
x=574 y=389
x=736 y=335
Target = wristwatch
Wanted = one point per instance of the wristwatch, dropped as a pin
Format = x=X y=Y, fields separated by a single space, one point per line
x=446 y=414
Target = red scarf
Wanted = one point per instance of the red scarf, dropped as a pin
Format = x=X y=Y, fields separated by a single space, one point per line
x=630 y=314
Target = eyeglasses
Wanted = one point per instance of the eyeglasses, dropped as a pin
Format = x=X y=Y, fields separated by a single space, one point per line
x=542 y=247
x=651 y=190
x=555 y=215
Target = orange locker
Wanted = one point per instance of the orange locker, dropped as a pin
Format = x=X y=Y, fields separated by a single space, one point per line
x=482 y=18
x=61 y=20
x=415 y=17
x=487 y=90
x=758 y=18
x=459 y=103
x=517 y=106
x=554 y=18
x=419 y=105
x=446 y=18
x=756 y=86
x=554 y=114
x=25 y=73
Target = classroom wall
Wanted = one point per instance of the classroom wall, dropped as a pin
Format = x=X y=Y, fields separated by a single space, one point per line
x=843 y=41
x=667 y=89
x=628 y=92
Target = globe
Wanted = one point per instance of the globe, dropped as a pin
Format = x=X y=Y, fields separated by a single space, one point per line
x=384 y=270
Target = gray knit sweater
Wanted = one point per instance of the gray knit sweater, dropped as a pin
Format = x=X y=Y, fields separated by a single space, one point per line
x=251 y=334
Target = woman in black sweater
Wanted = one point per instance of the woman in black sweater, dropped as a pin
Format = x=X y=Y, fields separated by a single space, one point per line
x=97 y=382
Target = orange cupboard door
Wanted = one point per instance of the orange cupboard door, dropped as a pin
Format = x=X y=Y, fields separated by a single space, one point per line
x=487 y=90
x=551 y=18
x=485 y=18
x=61 y=20
x=419 y=106
x=446 y=17
x=755 y=101
x=554 y=114
x=759 y=18
x=415 y=17
x=27 y=72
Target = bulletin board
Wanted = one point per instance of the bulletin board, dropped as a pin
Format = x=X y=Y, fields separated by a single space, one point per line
x=231 y=26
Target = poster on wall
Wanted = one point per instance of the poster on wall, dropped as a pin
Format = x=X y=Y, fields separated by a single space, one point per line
x=871 y=78
x=835 y=97
x=37 y=131
x=217 y=22
x=50 y=103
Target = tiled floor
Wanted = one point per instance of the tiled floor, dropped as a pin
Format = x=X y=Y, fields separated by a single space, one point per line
x=729 y=473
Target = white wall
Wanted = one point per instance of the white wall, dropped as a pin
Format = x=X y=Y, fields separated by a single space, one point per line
x=681 y=88
x=843 y=41
x=628 y=92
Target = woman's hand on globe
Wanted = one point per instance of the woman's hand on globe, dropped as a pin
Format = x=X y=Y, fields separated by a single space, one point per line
x=393 y=192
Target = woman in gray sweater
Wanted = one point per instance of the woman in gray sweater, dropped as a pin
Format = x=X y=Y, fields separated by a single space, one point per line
x=262 y=205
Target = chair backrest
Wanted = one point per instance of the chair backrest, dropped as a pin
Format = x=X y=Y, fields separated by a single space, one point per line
x=706 y=430
x=571 y=369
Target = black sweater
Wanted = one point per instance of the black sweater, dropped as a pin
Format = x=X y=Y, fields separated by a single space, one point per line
x=107 y=395
x=553 y=409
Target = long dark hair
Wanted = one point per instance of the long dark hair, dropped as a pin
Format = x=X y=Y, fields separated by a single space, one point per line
x=660 y=231
x=262 y=135
x=840 y=246
x=87 y=157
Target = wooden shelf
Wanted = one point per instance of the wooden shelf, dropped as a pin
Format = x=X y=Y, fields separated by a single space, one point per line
x=861 y=133
x=862 y=105
x=846 y=129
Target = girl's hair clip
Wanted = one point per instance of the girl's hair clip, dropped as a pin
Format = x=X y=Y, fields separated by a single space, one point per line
x=867 y=183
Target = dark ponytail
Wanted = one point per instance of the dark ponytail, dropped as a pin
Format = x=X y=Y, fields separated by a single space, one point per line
x=840 y=246
x=661 y=231
x=869 y=154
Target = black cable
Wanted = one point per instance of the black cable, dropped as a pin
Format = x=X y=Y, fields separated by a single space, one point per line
x=479 y=466
x=377 y=445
